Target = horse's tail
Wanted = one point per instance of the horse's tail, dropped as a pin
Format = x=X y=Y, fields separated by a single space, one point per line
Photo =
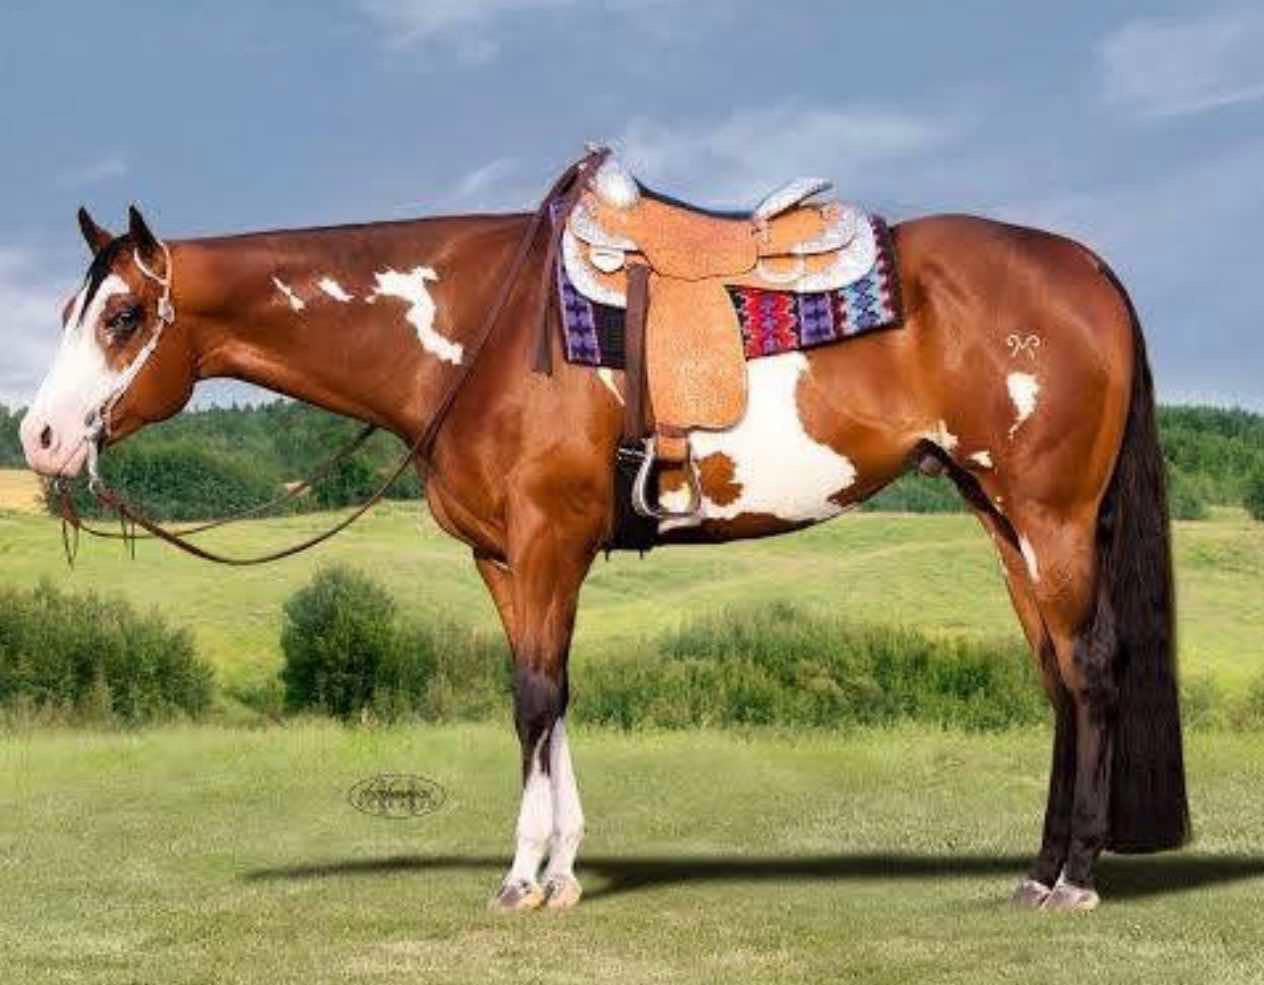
x=1148 y=807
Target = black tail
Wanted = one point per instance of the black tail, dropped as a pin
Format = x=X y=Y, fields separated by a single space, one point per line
x=1148 y=807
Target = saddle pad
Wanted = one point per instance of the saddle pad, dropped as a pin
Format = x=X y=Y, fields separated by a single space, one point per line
x=771 y=321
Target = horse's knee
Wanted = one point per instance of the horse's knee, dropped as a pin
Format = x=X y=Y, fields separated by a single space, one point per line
x=540 y=699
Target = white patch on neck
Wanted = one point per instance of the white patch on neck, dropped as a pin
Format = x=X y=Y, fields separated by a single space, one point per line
x=334 y=290
x=782 y=471
x=296 y=302
x=941 y=436
x=1023 y=388
x=982 y=458
x=411 y=287
x=1029 y=555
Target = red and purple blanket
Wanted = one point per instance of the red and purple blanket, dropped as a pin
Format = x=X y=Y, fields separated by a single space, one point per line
x=772 y=322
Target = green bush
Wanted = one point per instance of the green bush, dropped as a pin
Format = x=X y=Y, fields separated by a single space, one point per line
x=348 y=653
x=178 y=481
x=87 y=658
x=915 y=493
x=783 y=666
x=1254 y=499
x=1186 y=496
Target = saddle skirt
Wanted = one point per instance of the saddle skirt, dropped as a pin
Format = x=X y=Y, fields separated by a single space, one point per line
x=711 y=291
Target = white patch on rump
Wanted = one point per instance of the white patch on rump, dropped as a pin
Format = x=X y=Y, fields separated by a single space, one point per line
x=411 y=287
x=335 y=290
x=1029 y=555
x=982 y=459
x=1023 y=388
x=782 y=471
x=296 y=302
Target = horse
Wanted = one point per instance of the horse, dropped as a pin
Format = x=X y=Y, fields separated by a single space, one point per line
x=1020 y=372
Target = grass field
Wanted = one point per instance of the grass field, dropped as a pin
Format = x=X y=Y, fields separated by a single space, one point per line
x=20 y=491
x=213 y=855
x=936 y=572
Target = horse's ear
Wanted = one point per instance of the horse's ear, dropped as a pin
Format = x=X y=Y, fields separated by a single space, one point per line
x=96 y=237
x=144 y=240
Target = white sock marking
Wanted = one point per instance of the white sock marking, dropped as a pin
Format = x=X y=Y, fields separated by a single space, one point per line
x=535 y=822
x=296 y=302
x=411 y=287
x=1023 y=388
x=568 y=815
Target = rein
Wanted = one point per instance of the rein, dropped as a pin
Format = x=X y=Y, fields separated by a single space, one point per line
x=564 y=192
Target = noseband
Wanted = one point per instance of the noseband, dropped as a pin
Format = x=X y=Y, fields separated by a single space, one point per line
x=98 y=423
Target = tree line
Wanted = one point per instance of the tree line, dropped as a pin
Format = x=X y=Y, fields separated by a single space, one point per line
x=218 y=460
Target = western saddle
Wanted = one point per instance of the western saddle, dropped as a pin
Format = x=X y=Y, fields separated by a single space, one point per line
x=669 y=264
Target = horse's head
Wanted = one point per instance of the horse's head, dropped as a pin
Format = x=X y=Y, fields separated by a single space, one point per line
x=110 y=376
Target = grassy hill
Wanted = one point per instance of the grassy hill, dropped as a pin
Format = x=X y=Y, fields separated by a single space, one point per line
x=936 y=572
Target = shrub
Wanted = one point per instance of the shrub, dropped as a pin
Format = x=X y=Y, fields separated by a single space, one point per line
x=783 y=666
x=915 y=493
x=88 y=658
x=1186 y=497
x=1254 y=499
x=347 y=652
x=178 y=481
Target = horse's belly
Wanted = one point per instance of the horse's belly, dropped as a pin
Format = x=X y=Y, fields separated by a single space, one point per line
x=766 y=473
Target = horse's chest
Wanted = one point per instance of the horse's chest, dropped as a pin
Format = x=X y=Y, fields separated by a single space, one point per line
x=768 y=466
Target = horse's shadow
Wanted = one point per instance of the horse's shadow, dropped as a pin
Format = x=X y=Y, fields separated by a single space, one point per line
x=1118 y=878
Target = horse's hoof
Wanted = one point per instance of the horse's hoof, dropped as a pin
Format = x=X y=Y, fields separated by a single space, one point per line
x=517 y=895
x=561 y=892
x=1030 y=894
x=1069 y=898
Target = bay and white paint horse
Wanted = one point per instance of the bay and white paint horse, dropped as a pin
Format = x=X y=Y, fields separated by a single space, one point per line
x=1021 y=371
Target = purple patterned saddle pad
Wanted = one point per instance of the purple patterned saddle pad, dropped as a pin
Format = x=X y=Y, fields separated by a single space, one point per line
x=771 y=321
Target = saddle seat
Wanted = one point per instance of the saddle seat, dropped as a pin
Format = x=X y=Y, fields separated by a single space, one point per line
x=670 y=265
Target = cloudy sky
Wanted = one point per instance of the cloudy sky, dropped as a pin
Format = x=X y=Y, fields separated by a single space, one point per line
x=1138 y=128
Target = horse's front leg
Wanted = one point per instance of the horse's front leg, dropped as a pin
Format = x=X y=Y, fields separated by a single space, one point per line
x=536 y=595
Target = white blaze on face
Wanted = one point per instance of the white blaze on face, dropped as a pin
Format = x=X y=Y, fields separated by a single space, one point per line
x=1023 y=389
x=782 y=470
x=76 y=386
x=334 y=290
x=411 y=287
x=296 y=302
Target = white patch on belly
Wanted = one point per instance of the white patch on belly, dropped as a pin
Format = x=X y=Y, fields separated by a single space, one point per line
x=1029 y=555
x=411 y=287
x=941 y=436
x=335 y=290
x=782 y=471
x=982 y=459
x=296 y=302
x=1023 y=388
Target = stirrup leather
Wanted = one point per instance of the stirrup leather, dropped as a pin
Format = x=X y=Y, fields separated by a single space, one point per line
x=640 y=501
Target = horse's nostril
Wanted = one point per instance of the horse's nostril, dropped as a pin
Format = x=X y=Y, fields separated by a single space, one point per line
x=46 y=437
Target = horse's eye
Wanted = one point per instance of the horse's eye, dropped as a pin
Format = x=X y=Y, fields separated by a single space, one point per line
x=124 y=322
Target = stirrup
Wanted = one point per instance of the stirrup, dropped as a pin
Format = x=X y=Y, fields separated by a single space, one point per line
x=640 y=501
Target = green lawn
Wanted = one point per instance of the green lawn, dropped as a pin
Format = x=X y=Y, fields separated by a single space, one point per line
x=935 y=572
x=218 y=855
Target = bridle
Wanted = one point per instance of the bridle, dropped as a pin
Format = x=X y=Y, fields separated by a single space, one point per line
x=98 y=426
x=555 y=207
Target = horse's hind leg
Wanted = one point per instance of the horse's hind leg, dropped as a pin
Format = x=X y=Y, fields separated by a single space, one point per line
x=1060 y=568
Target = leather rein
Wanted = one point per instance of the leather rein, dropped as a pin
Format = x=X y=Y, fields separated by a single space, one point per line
x=557 y=205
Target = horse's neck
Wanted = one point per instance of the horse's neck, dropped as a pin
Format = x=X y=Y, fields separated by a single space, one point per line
x=366 y=321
